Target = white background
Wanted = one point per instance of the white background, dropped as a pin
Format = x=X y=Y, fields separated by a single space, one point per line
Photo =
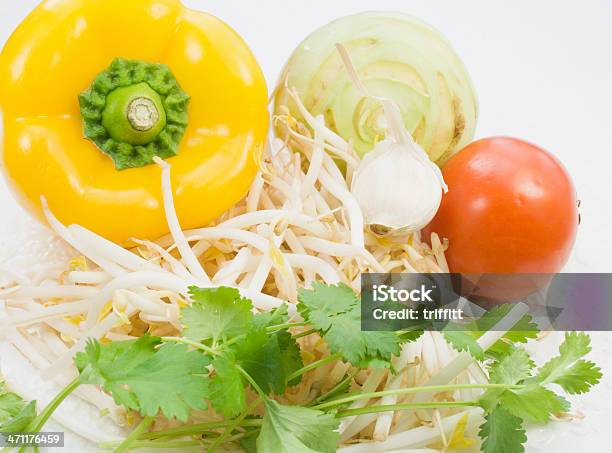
x=542 y=71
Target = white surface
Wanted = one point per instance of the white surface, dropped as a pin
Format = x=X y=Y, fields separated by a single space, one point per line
x=541 y=70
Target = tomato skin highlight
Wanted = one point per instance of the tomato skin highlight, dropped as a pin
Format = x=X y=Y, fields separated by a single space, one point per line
x=511 y=208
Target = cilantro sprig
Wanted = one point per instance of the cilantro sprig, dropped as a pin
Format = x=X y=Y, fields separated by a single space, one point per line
x=572 y=373
x=238 y=361
x=335 y=312
x=245 y=347
x=531 y=399
x=10 y=404
x=502 y=432
x=15 y=413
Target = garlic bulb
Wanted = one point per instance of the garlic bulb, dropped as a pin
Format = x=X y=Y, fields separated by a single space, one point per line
x=397 y=186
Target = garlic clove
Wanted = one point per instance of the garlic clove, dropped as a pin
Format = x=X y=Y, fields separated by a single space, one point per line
x=396 y=190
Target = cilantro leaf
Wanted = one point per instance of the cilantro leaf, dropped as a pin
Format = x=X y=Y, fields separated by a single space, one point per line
x=502 y=432
x=295 y=429
x=462 y=340
x=172 y=381
x=407 y=336
x=279 y=315
x=15 y=414
x=323 y=302
x=569 y=370
x=580 y=377
x=10 y=404
x=227 y=392
x=463 y=337
x=216 y=313
x=521 y=332
x=143 y=377
x=98 y=364
x=512 y=368
x=269 y=358
x=335 y=311
x=291 y=356
x=356 y=346
x=249 y=444
x=534 y=403
x=524 y=329
x=21 y=420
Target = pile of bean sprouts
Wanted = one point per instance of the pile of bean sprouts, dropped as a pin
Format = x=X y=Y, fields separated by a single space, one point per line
x=299 y=223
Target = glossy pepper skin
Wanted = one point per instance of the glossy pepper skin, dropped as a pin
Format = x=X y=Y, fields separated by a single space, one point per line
x=56 y=53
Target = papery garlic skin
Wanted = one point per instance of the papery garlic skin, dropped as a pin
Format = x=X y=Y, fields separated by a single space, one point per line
x=397 y=190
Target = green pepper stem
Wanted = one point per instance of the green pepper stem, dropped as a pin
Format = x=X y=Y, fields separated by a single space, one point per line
x=135 y=111
x=142 y=114
x=134 y=114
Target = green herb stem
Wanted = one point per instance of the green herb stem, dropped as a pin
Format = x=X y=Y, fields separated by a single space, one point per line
x=254 y=384
x=195 y=344
x=38 y=423
x=231 y=427
x=129 y=440
x=137 y=444
x=412 y=390
x=287 y=325
x=335 y=389
x=313 y=365
x=305 y=333
x=195 y=429
x=403 y=407
x=162 y=442
x=274 y=329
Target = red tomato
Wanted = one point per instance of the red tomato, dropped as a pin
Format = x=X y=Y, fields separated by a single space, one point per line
x=511 y=207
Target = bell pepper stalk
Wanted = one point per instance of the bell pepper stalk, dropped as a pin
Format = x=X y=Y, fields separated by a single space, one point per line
x=134 y=111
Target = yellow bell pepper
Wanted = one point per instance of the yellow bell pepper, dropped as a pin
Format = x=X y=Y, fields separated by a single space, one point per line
x=92 y=90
